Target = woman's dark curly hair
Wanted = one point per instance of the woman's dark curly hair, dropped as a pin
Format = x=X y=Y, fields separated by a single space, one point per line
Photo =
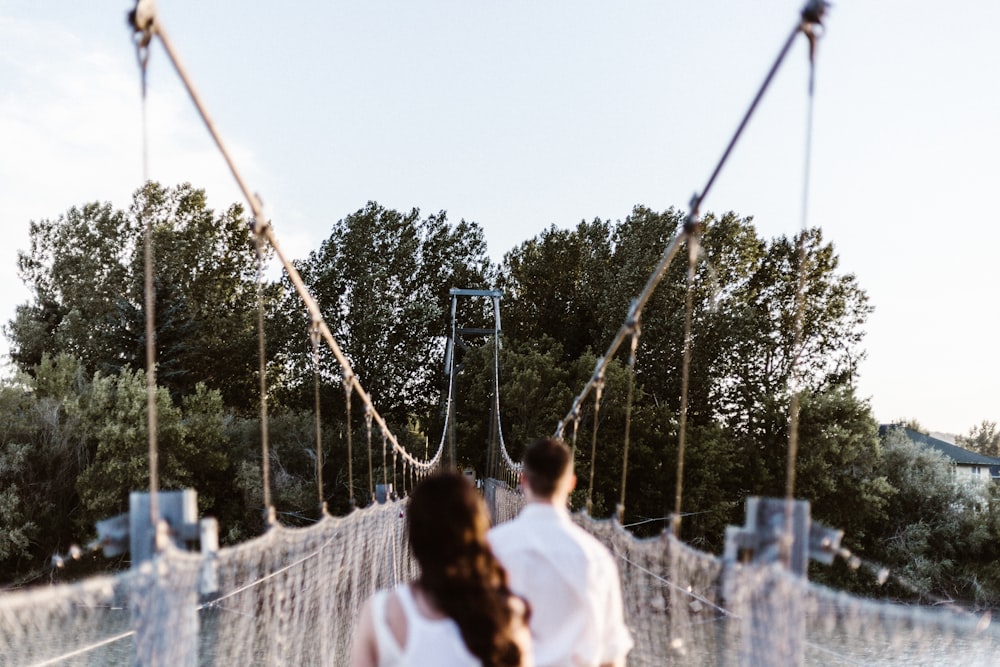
x=447 y=523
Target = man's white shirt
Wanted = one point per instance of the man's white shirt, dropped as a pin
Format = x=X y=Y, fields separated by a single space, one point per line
x=571 y=582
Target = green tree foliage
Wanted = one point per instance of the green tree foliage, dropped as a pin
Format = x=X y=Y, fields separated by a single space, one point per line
x=840 y=466
x=86 y=274
x=984 y=438
x=938 y=535
x=382 y=281
x=41 y=455
x=292 y=462
x=75 y=271
x=73 y=424
x=912 y=424
x=535 y=389
x=573 y=287
x=73 y=447
x=113 y=419
x=554 y=285
x=19 y=527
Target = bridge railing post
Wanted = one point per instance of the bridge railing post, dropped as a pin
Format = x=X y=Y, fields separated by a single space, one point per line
x=777 y=539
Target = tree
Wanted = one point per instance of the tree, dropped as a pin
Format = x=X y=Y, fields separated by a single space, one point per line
x=759 y=321
x=984 y=438
x=535 y=392
x=72 y=447
x=574 y=287
x=292 y=464
x=41 y=455
x=839 y=467
x=382 y=281
x=554 y=286
x=113 y=419
x=937 y=534
x=76 y=269
x=86 y=273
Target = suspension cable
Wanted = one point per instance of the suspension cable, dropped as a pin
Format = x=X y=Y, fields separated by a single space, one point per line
x=385 y=471
x=142 y=22
x=693 y=251
x=572 y=449
x=623 y=332
x=314 y=340
x=803 y=269
x=265 y=448
x=498 y=433
x=348 y=390
x=252 y=199
x=395 y=489
x=598 y=390
x=513 y=467
x=813 y=8
x=811 y=21
x=368 y=434
x=810 y=16
x=636 y=332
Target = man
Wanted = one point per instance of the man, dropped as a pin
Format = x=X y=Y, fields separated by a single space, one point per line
x=568 y=577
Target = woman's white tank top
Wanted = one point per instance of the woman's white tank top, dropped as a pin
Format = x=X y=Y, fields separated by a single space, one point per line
x=429 y=642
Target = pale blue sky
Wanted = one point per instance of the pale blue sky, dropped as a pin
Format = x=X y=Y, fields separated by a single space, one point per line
x=518 y=115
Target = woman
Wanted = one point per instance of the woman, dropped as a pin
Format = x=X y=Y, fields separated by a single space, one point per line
x=459 y=612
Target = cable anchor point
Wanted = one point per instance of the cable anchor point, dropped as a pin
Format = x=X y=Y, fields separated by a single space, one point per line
x=142 y=21
x=261 y=221
x=813 y=12
x=692 y=223
x=812 y=23
x=315 y=334
x=141 y=18
x=632 y=320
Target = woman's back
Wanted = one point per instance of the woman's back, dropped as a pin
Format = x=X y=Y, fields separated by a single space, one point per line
x=459 y=611
x=425 y=641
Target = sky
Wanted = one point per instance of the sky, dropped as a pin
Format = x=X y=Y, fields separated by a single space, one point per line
x=520 y=115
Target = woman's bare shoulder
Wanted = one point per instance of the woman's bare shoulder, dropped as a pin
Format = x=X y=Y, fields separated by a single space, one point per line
x=520 y=608
x=395 y=618
x=364 y=652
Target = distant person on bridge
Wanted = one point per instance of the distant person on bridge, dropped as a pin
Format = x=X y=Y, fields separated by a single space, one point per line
x=568 y=577
x=459 y=612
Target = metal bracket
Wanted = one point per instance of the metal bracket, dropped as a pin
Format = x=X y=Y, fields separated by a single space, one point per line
x=134 y=532
x=765 y=538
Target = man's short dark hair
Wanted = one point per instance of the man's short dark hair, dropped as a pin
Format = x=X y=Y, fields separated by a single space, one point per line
x=546 y=460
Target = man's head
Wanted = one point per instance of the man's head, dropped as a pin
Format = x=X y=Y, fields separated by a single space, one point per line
x=548 y=469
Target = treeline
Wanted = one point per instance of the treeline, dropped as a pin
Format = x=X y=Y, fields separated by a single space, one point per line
x=73 y=437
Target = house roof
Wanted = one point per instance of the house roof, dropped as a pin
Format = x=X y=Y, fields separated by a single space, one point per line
x=957 y=454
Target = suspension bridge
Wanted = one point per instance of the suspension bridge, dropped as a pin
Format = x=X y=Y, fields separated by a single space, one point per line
x=291 y=595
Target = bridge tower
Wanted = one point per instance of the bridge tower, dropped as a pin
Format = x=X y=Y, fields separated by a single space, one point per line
x=451 y=367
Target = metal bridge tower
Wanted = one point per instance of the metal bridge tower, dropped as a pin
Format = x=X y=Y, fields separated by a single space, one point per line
x=451 y=368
